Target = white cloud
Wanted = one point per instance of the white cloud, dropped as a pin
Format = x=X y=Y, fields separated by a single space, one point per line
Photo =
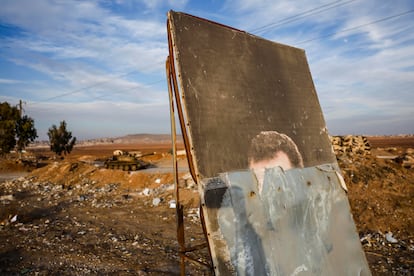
x=79 y=29
x=99 y=56
x=9 y=81
x=156 y=4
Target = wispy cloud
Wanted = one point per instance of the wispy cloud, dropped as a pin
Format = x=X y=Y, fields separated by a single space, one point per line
x=9 y=81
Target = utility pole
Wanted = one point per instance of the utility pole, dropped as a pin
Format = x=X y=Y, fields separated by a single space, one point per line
x=20 y=108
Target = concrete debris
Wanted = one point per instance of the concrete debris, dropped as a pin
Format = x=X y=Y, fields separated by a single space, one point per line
x=193 y=214
x=189 y=182
x=350 y=145
x=79 y=221
x=87 y=191
x=6 y=198
x=406 y=159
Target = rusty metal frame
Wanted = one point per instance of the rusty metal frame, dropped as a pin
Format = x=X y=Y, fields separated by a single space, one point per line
x=174 y=101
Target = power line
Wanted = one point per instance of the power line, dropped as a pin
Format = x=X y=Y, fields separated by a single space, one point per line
x=128 y=89
x=91 y=86
x=95 y=85
x=302 y=15
x=103 y=96
x=117 y=92
x=356 y=27
x=281 y=22
x=85 y=88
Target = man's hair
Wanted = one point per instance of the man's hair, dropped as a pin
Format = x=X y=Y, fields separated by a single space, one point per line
x=267 y=144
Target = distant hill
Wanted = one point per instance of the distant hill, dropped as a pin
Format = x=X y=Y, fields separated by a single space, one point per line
x=145 y=138
x=142 y=138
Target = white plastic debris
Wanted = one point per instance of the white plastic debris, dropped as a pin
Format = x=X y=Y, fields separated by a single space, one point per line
x=156 y=201
x=390 y=238
x=172 y=204
x=158 y=180
x=13 y=219
x=146 y=192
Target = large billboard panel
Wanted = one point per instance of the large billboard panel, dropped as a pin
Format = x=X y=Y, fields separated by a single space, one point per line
x=273 y=199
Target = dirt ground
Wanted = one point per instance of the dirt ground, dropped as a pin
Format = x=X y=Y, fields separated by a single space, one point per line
x=74 y=217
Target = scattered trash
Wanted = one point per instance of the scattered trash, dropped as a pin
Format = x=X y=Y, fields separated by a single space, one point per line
x=146 y=192
x=390 y=238
x=366 y=240
x=194 y=214
x=158 y=180
x=82 y=197
x=156 y=201
x=13 y=219
x=74 y=214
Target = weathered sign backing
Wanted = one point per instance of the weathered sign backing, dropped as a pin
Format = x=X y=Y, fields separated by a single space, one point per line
x=271 y=190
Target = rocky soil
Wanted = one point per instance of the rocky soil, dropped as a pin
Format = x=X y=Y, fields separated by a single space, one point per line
x=74 y=217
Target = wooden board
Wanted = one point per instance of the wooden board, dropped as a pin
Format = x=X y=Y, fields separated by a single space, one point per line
x=240 y=94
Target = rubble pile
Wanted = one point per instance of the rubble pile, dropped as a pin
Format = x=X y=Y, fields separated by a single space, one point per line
x=350 y=145
x=406 y=159
x=384 y=250
x=353 y=147
x=90 y=227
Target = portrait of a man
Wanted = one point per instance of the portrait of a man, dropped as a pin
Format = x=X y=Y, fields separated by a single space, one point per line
x=270 y=149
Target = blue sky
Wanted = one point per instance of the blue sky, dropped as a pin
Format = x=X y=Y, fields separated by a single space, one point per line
x=99 y=65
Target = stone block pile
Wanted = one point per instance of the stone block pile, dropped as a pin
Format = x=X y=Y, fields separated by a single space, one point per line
x=351 y=145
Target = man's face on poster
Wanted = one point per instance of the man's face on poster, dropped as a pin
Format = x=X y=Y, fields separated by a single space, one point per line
x=280 y=159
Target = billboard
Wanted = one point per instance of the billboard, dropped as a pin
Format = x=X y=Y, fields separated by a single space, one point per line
x=235 y=85
x=261 y=153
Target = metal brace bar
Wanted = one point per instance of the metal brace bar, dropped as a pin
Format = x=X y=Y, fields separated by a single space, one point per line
x=179 y=207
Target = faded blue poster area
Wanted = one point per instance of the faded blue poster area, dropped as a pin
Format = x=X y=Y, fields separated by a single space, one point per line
x=299 y=223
